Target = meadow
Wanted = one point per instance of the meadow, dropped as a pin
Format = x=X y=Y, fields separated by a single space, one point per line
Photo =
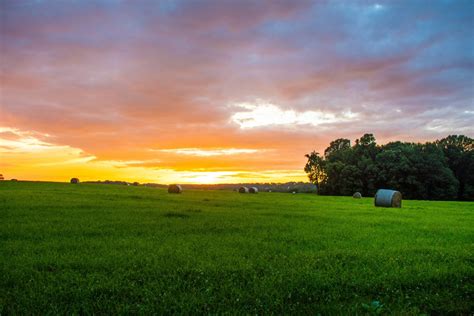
x=107 y=249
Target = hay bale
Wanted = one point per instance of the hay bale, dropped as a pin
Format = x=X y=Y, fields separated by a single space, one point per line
x=175 y=188
x=253 y=190
x=74 y=180
x=243 y=190
x=388 y=198
x=357 y=195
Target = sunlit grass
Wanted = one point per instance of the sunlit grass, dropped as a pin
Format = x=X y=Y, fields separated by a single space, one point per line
x=115 y=249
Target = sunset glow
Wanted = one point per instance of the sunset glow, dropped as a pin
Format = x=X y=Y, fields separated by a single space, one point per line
x=223 y=91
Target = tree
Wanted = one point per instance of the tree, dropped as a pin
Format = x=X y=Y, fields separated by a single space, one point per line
x=440 y=170
x=337 y=148
x=396 y=169
x=315 y=168
x=459 y=152
x=439 y=178
x=337 y=158
x=419 y=171
x=365 y=152
x=342 y=179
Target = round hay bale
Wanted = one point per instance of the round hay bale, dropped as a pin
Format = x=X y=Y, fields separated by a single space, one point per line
x=388 y=198
x=175 y=188
x=74 y=180
x=243 y=190
x=253 y=190
x=357 y=195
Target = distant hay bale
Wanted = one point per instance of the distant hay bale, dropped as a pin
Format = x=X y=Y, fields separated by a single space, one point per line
x=74 y=180
x=388 y=198
x=243 y=190
x=175 y=188
x=253 y=190
x=357 y=195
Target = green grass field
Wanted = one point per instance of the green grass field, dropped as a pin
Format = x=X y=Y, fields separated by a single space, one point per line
x=104 y=249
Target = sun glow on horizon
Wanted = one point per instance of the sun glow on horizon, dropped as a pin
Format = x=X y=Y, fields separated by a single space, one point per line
x=27 y=155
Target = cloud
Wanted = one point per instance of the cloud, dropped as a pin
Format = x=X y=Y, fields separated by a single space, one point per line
x=113 y=79
x=209 y=152
x=13 y=140
x=266 y=114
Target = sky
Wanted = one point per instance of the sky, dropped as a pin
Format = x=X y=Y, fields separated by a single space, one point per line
x=223 y=91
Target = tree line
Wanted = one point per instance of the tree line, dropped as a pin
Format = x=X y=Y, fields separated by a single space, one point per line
x=439 y=170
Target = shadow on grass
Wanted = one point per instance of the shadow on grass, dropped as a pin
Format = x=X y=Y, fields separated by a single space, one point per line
x=193 y=210
x=176 y=214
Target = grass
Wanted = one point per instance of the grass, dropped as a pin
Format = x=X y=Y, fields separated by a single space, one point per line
x=104 y=249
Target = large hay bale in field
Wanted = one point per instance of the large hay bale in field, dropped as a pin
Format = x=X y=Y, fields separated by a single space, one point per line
x=357 y=195
x=74 y=180
x=243 y=190
x=175 y=188
x=388 y=198
x=253 y=190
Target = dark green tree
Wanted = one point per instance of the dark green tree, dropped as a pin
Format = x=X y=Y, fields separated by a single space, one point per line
x=459 y=152
x=440 y=170
x=315 y=168
x=396 y=169
x=419 y=171
x=342 y=179
x=365 y=152
x=338 y=149
x=340 y=174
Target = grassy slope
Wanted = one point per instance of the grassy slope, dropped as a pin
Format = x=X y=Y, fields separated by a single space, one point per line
x=103 y=248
